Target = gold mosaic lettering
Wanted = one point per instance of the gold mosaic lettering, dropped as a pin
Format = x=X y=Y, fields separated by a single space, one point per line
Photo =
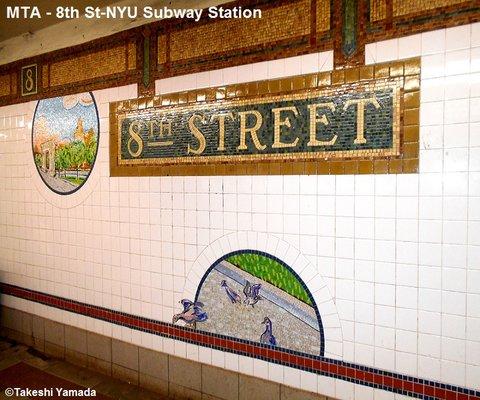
x=252 y=130
x=278 y=123
x=360 y=139
x=221 y=128
x=314 y=120
x=165 y=128
x=135 y=137
x=151 y=125
x=197 y=133
x=29 y=80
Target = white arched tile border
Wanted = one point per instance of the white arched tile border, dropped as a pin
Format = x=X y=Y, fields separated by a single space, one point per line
x=292 y=257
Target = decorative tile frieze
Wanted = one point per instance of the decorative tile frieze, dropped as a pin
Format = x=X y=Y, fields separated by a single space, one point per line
x=402 y=7
x=5 y=85
x=287 y=21
x=90 y=66
x=378 y=10
x=132 y=55
x=323 y=15
x=162 y=49
x=286 y=29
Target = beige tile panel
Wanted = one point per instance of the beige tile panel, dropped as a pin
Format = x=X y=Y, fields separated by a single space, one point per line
x=125 y=354
x=219 y=383
x=154 y=384
x=279 y=23
x=125 y=374
x=178 y=392
x=90 y=66
x=153 y=363
x=288 y=393
x=76 y=339
x=378 y=10
x=4 y=85
x=99 y=346
x=323 y=15
x=185 y=373
x=55 y=333
x=250 y=387
x=180 y=378
x=402 y=7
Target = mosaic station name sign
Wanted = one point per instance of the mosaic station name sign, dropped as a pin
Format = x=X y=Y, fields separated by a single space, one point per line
x=310 y=125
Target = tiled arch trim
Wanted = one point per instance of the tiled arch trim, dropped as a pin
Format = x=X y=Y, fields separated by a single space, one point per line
x=288 y=256
x=359 y=374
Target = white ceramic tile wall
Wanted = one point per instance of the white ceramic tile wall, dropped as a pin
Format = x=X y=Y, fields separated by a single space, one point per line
x=399 y=255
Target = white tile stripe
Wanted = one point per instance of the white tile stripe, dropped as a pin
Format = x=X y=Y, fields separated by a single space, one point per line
x=305 y=64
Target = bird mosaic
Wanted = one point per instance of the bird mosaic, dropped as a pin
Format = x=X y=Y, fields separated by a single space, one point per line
x=250 y=291
x=267 y=336
x=232 y=294
x=191 y=314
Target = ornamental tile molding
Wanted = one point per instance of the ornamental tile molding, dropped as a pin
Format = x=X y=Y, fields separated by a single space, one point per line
x=174 y=47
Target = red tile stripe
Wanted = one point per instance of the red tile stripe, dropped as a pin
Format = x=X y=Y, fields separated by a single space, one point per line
x=400 y=384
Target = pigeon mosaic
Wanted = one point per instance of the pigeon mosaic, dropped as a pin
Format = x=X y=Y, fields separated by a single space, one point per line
x=255 y=297
x=191 y=314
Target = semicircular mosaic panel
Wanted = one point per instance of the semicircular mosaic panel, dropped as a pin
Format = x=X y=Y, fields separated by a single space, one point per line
x=256 y=297
x=65 y=137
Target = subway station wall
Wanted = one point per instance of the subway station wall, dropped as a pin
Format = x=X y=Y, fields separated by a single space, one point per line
x=392 y=261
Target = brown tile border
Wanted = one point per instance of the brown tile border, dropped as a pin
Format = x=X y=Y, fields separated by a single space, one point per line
x=406 y=72
x=21 y=325
x=165 y=374
x=325 y=33
x=395 y=25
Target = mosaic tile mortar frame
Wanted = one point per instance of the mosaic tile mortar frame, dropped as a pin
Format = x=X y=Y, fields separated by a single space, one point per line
x=400 y=157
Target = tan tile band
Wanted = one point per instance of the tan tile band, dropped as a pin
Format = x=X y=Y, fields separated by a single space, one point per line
x=5 y=85
x=93 y=65
x=277 y=23
x=378 y=10
x=402 y=7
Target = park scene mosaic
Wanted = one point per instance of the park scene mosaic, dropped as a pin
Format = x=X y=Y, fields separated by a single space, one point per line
x=65 y=140
x=253 y=296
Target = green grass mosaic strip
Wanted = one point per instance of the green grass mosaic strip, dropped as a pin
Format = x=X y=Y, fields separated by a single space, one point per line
x=271 y=271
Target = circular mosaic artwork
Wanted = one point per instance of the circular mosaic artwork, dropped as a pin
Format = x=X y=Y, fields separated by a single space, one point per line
x=65 y=137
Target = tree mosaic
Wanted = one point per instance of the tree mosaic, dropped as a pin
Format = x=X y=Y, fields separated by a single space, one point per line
x=65 y=140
